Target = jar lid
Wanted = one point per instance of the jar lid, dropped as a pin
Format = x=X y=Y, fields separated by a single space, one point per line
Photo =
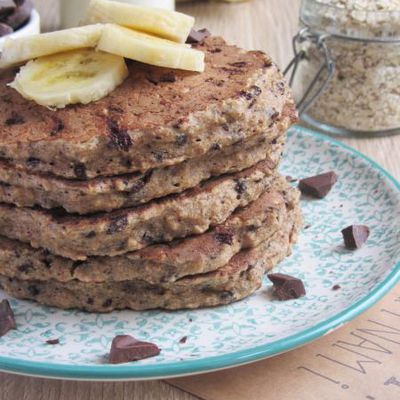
x=356 y=19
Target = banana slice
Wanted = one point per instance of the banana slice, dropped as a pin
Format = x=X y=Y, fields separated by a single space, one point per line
x=149 y=49
x=17 y=51
x=78 y=76
x=167 y=24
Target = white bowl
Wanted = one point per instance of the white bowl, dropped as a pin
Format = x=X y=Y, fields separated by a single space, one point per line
x=30 y=28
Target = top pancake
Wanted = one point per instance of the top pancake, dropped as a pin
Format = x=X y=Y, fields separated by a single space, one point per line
x=157 y=117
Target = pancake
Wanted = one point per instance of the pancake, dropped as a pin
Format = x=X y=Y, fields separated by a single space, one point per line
x=155 y=118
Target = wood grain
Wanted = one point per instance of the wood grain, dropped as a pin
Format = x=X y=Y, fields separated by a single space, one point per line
x=260 y=24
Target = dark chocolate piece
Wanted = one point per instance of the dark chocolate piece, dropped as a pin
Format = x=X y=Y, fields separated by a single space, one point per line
x=319 y=185
x=125 y=348
x=183 y=340
x=197 y=37
x=53 y=341
x=5 y=29
x=7 y=320
x=355 y=236
x=224 y=238
x=336 y=287
x=287 y=287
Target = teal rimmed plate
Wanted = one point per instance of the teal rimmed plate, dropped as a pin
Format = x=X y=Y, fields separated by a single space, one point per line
x=257 y=327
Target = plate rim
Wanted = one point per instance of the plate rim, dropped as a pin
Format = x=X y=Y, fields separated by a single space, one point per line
x=132 y=371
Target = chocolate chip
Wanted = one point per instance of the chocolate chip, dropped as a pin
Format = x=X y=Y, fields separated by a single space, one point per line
x=268 y=64
x=159 y=155
x=216 y=147
x=336 y=287
x=32 y=162
x=215 y=50
x=53 y=341
x=182 y=139
x=319 y=185
x=117 y=224
x=125 y=348
x=147 y=238
x=7 y=319
x=240 y=187
x=90 y=235
x=226 y=295
x=168 y=77
x=107 y=303
x=281 y=87
x=58 y=127
x=238 y=64
x=355 y=236
x=120 y=138
x=224 y=238
x=287 y=287
x=290 y=179
x=5 y=29
x=24 y=268
x=80 y=171
x=246 y=95
x=90 y=301
x=183 y=340
x=198 y=37
x=15 y=119
x=33 y=290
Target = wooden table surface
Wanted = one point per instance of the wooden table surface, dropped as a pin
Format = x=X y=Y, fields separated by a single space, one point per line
x=260 y=24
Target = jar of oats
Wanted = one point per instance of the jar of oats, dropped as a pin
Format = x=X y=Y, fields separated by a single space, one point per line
x=346 y=69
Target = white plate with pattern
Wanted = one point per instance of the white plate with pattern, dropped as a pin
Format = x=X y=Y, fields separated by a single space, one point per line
x=259 y=326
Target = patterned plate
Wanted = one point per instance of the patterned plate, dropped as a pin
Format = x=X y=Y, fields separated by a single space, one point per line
x=259 y=326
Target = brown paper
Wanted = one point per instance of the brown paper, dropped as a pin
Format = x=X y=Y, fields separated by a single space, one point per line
x=360 y=361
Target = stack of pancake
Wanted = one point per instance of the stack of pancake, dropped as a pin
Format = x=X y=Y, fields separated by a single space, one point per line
x=164 y=194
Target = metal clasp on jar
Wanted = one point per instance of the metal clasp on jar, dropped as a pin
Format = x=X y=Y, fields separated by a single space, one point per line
x=312 y=92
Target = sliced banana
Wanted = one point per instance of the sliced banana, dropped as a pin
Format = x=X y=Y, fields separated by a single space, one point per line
x=149 y=49
x=79 y=76
x=167 y=24
x=19 y=50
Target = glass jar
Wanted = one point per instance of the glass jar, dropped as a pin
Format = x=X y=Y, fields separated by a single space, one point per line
x=346 y=70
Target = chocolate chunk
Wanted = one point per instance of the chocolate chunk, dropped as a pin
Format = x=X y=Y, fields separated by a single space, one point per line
x=32 y=162
x=240 y=187
x=319 y=185
x=224 y=238
x=183 y=340
x=107 y=303
x=20 y=15
x=198 y=37
x=355 y=236
x=7 y=320
x=90 y=235
x=336 y=287
x=80 y=171
x=182 y=139
x=238 y=64
x=15 y=119
x=58 y=127
x=33 y=290
x=53 y=341
x=118 y=224
x=125 y=348
x=5 y=29
x=290 y=179
x=168 y=77
x=120 y=138
x=147 y=238
x=287 y=287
